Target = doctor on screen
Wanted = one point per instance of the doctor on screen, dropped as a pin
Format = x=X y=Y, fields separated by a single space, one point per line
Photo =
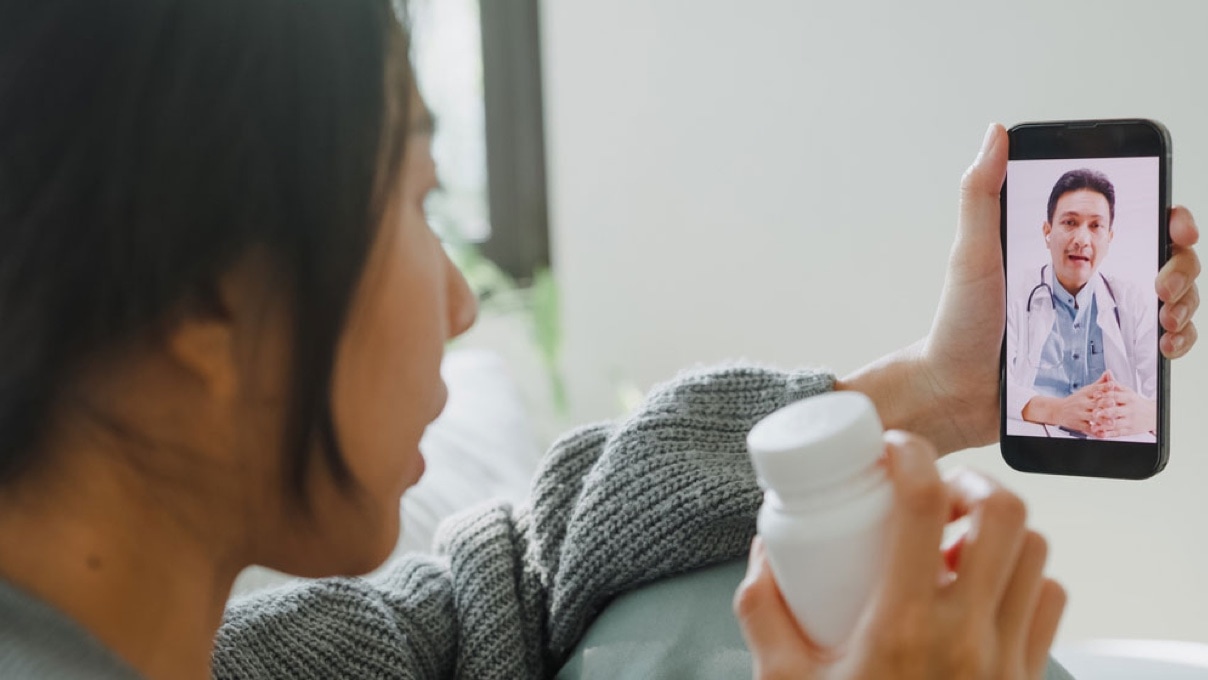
x=1081 y=345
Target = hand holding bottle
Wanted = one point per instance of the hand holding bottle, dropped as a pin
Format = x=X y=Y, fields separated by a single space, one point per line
x=984 y=610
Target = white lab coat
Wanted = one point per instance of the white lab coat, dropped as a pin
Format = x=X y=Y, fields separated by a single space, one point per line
x=1130 y=346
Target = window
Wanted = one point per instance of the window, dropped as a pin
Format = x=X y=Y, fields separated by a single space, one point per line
x=478 y=65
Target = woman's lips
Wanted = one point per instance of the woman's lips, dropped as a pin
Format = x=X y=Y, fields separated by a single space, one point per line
x=442 y=399
x=1079 y=258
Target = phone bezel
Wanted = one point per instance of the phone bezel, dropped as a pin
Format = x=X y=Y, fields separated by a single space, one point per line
x=1120 y=138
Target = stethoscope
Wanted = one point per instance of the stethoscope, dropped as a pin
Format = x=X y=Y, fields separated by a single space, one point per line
x=1044 y=285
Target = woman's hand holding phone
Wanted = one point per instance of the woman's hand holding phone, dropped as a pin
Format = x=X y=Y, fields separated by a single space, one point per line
x=984 y=610
x=946 y=387
x=1176 y=286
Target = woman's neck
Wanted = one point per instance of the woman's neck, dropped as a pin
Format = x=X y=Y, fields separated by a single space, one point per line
x=121 y=560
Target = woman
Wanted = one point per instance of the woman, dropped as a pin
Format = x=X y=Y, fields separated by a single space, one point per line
x=221 y=323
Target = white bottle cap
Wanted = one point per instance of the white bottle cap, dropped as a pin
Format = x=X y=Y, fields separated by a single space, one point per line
x=816 y=442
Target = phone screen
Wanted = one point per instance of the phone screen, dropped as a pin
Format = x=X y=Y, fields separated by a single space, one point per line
x=1084 y=389
x=1082 y=240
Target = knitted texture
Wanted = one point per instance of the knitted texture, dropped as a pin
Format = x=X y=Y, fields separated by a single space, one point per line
x=510 y=592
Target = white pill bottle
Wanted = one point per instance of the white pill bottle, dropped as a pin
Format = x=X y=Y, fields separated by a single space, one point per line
x=825 y=508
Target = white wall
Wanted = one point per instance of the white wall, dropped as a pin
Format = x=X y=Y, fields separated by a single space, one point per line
x=777 y=179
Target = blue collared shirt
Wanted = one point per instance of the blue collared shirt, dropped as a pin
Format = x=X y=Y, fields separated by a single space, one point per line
x=1072 y=357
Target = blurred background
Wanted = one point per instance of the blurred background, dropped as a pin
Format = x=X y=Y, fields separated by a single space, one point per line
x=777 y=180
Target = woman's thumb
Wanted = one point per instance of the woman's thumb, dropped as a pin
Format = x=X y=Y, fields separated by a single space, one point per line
x=778 y=646
x=978 y=232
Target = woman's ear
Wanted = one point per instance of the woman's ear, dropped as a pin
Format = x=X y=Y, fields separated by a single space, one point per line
x=230 y=326
x=203 y=345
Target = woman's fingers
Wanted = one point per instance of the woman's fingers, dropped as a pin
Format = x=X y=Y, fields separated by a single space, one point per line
x=1175 y=316
x=1175 y=345
x=1023 y=592
x=1176 y=286
x=1049 y=607
x=994 y=539
x=1178 y=274
x=921 y=508
x=778 y=646
x=1183 y=230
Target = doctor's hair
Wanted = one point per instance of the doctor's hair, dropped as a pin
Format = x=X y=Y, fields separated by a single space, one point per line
x=146 y=147
x=1077 y=180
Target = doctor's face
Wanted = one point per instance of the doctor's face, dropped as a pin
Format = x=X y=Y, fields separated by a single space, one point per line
x=1079 y=237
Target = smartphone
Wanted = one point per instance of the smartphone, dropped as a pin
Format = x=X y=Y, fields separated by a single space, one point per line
x=1084 y=389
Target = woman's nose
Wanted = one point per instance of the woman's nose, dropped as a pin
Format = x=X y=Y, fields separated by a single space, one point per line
x=463 y=304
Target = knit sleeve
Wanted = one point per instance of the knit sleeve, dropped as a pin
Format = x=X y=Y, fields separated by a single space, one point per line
x=474 y=610
x=510 y=592
x=673 y=490
x=401 y=625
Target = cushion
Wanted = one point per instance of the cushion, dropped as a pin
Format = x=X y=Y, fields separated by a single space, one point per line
x=680 y=627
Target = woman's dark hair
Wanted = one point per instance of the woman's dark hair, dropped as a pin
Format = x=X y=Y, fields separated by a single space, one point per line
x=146 y=145
x=1077 y=180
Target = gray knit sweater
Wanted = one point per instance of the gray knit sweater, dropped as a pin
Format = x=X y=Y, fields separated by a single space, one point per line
x=511 y=591
x=613 y=506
